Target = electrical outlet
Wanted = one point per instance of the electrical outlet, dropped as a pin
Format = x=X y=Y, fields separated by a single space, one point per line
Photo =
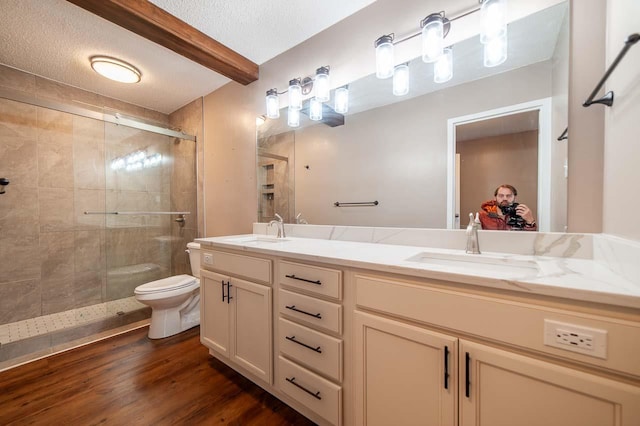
x=576 y=338
x=207 y=259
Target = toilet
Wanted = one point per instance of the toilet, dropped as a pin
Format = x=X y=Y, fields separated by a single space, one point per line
x=174 y=301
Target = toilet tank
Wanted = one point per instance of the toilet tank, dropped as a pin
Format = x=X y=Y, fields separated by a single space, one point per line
x=194 y=258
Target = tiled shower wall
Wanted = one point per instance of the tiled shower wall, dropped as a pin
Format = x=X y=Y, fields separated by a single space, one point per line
x=55 y=258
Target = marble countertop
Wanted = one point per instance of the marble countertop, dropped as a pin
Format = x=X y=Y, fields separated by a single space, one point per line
x=566 y=277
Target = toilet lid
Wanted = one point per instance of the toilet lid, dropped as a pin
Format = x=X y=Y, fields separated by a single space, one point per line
x=166 y=284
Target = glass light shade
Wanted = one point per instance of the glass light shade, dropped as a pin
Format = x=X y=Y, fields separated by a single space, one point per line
x=115 y=69
x=315 y=109
x=432 y=40
x=293 y=117
x=401 y=80
x=341 y=100
x=493 y=20
x=384 y=57
x=495 y=51
x=443 y=67
x=273 y=104
x=321 y=85
x=295 y=94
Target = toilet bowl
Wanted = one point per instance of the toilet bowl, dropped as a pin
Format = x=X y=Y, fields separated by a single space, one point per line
x=174 y=301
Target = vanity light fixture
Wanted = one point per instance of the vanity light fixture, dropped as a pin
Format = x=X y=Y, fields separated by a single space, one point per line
x=115 y=69
x=434 y=29
x=341 y=96
x=298 y=88
x=273 y=104
x=401 y=79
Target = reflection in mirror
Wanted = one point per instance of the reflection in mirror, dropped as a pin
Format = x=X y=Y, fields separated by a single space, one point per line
x=395 y=150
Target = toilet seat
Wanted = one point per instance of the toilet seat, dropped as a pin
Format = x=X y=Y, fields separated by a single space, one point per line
x=176 y=282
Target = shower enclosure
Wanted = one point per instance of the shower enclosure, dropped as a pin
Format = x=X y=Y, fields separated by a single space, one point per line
x=98 y=204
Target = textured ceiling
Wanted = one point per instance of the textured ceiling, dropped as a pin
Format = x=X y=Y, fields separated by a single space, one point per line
x=54 y=39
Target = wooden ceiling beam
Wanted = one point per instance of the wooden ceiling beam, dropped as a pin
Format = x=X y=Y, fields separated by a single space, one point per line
x=153 y=23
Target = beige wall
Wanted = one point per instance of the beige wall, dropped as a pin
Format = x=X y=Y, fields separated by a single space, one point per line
x=230 y=199
x=488 y=162
x=586 y=125
x=622 y=134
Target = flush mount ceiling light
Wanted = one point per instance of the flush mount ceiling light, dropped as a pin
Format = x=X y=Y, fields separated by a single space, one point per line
x=115 y=69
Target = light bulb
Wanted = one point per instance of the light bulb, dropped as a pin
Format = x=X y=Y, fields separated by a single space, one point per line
x=273 y=104
x=432 y=38
x=295 y=94
x=293 y=117
x=401 y=80
x=341 y=100
x=321 y=84
x=443 y=67
x=315 y=110
x=495 y=51
x=384 y=56
x=493 y=20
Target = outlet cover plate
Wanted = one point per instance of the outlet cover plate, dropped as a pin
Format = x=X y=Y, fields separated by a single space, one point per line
x=576 y=338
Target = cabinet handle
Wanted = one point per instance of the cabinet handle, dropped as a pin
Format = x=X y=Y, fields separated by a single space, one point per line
x=229 y=292
x=467 y=368
x=446 y=367
x=293 y=308
x=293 y=339
x=293 y=382
x=293 y=277
x=222 y=287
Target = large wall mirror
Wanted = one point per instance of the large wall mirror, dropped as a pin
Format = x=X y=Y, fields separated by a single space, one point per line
x=421 y=159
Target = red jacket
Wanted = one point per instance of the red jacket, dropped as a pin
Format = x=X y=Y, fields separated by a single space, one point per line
x=490 y=219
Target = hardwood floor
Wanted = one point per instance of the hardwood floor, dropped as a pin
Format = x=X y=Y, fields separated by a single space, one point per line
x=129 y=379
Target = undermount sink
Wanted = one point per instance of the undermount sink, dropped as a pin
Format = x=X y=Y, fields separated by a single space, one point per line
x=480 y=264
x=256 y=239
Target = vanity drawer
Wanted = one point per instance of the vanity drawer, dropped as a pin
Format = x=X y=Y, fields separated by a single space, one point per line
x=253 y=268
x=314 y=279
x=314 y=392
x=309 y=310
x=314 y=349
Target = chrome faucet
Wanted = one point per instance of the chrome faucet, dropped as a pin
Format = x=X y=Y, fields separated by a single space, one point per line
x=473 y=245
x=280 y=224
x=301 y=220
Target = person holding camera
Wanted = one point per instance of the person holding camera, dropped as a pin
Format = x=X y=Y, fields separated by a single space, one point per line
x=504 y=214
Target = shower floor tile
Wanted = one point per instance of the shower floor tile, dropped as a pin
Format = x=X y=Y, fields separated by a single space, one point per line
x=32 y=327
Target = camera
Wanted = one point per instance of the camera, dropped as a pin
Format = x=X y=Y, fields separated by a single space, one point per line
x=511 y=216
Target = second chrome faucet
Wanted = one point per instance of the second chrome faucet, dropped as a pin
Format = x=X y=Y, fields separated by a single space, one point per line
x=473 y=245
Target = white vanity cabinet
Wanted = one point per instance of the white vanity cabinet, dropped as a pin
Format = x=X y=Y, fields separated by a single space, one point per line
x=236 y=314
x=310 y=345
x=409 y=373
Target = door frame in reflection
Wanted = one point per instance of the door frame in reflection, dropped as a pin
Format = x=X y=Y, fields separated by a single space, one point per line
x=543 y=106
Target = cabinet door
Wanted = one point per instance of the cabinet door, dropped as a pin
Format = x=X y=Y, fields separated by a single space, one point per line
x=251 y=325
x=506 y=389
x=400 y=374
x=214 y=312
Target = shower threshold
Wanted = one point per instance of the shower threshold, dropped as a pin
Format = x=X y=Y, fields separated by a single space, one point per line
x=33 y=338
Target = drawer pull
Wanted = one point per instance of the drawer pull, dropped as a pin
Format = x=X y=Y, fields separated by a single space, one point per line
x=467 y=372
x=293 y=339
x=293 y=382
x=293 y=277
x=293 y=308
x=446 y=367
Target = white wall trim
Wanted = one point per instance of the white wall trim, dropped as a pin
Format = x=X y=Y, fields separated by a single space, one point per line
x=544 y=155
